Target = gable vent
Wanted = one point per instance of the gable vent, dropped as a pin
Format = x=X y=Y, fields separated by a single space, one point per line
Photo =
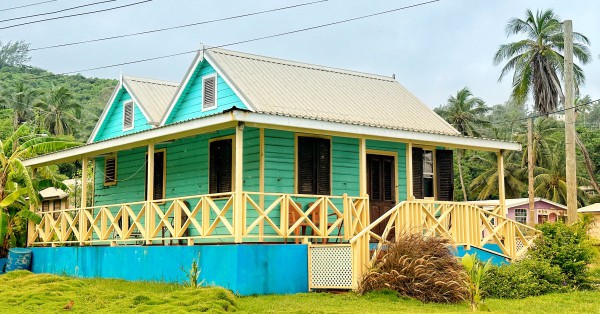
x=128 y=116
x=209 y=92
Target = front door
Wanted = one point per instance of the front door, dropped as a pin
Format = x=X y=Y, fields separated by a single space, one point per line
x=381 y=187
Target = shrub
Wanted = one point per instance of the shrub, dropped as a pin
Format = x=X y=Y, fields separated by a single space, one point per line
x=528 y=277
x=418 y=267
x=568 y=247
x=476 y=273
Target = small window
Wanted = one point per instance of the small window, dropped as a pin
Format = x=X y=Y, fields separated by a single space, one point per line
x=314 y=166
x=221 y=166
x=110 y=170
x=45 y=206
x=128 y=115
x=209 y=92
x=428 y=190
x=521 y=215
x=57 y=205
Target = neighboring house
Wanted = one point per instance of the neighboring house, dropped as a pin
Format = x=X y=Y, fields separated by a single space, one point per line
x=54 y=200
x=252 y=150
x=589 y=190
x=518 y=209
x=593 y=210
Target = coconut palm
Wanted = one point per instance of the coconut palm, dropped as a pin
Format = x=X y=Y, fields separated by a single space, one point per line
x=58 y=111
x=464 y=112
x=21 y=100
x=543 y=141
x=485 y=185
x=536 y=61
x=15 y=180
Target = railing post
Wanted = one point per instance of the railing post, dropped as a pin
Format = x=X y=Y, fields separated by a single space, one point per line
x=83 y=202
x=149 y=194
x=346 y=221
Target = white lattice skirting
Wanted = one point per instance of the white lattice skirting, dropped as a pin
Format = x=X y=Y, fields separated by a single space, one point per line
x=330 y=266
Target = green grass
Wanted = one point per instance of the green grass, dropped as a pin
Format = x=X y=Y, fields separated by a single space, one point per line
x=24 y=292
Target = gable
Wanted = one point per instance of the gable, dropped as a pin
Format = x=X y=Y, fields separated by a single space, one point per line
x=189 y=103
x=112 y=124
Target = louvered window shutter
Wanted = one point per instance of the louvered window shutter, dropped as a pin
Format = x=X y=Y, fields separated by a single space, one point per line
x=159 y=175
x=388 y=180
x=323 y=166
x=314 y=166
x=110 y=170
x=375 y=179
x=220 y=172
x=209 y=92
x=417 y=169
x=445 y=174
x=128 y=115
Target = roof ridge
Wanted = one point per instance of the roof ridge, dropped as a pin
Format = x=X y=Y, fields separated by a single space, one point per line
x=150 y=80
x=299 y=64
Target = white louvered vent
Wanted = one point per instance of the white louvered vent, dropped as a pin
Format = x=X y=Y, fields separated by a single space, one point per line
x=209 y=92
x=128 y=116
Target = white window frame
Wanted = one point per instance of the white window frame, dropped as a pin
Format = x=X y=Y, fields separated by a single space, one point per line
x=132 y=115
x=204 y=78
x=521 y=216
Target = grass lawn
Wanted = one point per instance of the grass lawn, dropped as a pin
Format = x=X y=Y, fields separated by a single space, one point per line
x=23 y=292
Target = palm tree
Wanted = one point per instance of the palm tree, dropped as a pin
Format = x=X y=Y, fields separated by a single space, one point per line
x=543 y=129
x=59 y=111
x=537 y=60
x=486 y=184
x=15 y=180
x=21 y=100
x=464 y=112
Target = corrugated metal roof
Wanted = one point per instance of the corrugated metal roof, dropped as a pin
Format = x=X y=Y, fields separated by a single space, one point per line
x=291 y=88
x=153 y=95
x=512 y=202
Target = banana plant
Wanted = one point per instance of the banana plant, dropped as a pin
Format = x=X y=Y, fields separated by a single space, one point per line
x=476 y=271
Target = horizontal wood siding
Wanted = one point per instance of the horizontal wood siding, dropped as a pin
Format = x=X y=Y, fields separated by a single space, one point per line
x=113 y=123
x=400 y=149
x=189 y=104
x=345 y=166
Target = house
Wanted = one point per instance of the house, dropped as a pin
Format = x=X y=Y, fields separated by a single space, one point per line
x=518 y=209
x=54 y=200
x=593 y=210
x=279 y=176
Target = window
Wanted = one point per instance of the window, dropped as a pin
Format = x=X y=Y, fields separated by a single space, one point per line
x=521 y=215
x=110 y=170
x=428 y=189
x=221 y=166
x=159 y=176
x=45 y=206
x=209 y=92
x=57 y=205
x=314 y=170
x=433 y=171
x=128 y=115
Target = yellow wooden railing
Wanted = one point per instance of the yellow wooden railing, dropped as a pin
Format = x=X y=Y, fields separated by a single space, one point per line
x=211 y=218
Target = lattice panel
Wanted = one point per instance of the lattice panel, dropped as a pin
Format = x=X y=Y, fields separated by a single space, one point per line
x=520 y=245
x=330 y=266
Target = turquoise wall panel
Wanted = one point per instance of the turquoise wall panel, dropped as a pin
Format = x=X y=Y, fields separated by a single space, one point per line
x=112 y=125
x=244 y=269
x=345 y=173
x=189 y=104
x=400 y=149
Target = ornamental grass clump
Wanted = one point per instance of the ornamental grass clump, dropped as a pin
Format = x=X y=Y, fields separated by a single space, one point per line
x=418 y=267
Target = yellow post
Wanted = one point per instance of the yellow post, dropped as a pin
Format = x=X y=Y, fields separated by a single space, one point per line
x=261 y=226
x=238 y=214
x=83 y=202
x=501 y=194
x=409 y=173
x=30 y=224
x=150 y=194
x=362 y=157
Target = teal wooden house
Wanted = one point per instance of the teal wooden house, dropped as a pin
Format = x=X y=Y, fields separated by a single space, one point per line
x=279 y=176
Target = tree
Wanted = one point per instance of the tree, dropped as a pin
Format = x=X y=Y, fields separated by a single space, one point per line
x=14 y=53
x=16 y=182
x=59 y=111
x=485 y=185
x=537 y=60
x=464 y=112
x=20 y=99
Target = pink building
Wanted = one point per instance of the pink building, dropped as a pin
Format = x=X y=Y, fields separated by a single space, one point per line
x=518 y=209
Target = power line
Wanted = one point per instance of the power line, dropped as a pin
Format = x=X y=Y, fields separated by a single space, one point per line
x=179 y=26
x=245 y=41
x=78 y=14
x=57 y=11
x=27 y=5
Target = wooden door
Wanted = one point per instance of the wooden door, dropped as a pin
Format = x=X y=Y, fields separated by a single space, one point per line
x=381 y=186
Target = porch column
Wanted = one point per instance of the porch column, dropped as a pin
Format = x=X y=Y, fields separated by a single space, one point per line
x=238 y=210
x=409 y=172
x=30 y=224
x=150 y=194
x=501 y=195
x=83 y=203
x=362 y=160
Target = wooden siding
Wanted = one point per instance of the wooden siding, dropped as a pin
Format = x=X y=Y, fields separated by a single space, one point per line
x=112 y=126
x=189 y=104
x=400 y=149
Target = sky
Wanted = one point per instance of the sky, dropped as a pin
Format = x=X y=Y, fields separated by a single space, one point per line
x=433 y=50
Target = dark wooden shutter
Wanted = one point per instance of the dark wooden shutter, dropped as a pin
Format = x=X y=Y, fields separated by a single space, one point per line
x=417 y=169
x=314 y=166
x=374 y=187
x=323 y=166
x=220 y=172
x=159 y=175
x=444 y=174
x=110 y=170
x=388 y=179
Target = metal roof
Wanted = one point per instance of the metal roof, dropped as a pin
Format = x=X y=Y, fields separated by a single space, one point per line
x=594 y=208
x=512 y=202
x=154 y=96
x=282 y=87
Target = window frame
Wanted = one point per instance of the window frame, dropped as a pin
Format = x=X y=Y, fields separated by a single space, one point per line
x=114 y=182
x=433 y=174
x=520 y=211
x=233 y=174
x=396 y=168
x=204 y=79
x=164 y=179
x=296 y=161
x=127 y=103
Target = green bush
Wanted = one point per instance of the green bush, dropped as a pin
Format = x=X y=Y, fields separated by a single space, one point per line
x=528 y=277
x=568 y=247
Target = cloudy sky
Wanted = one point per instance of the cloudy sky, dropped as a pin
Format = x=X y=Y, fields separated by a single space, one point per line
x=433 y=50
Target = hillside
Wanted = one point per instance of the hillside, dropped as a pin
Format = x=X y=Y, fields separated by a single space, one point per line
x=91 y=93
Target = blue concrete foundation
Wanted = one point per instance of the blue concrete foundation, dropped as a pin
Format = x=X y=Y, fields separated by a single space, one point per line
x=246 y=269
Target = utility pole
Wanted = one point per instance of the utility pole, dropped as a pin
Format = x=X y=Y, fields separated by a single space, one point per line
x=570 y=124
x=530 y=166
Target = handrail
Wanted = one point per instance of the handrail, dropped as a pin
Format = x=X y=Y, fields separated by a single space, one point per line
x=377 y=221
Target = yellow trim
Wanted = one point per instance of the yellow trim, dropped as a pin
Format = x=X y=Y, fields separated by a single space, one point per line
x=111 y=156
x=233 y=174
x=410 y=194
x=396 y=168
x=327 y=137
x=261 y=179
